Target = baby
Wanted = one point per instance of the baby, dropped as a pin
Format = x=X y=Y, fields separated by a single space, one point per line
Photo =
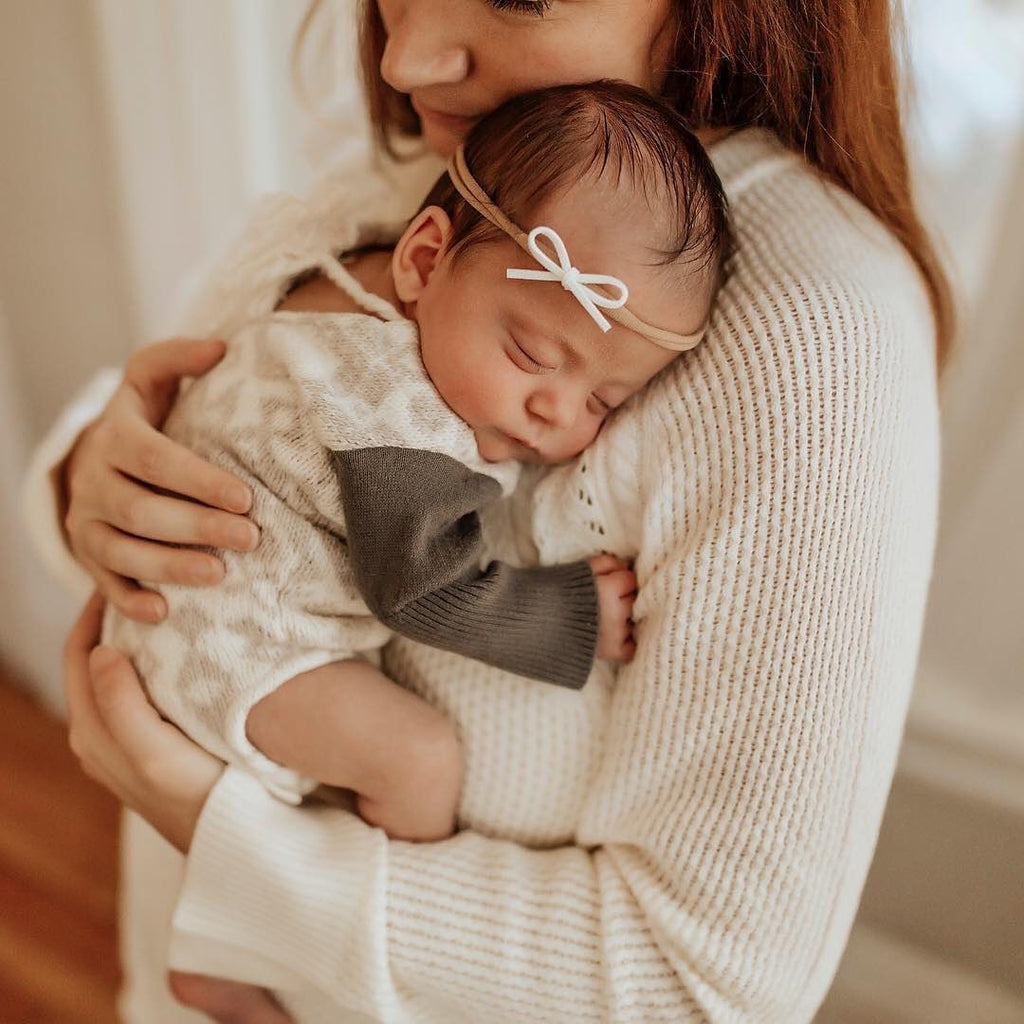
x=386 y=401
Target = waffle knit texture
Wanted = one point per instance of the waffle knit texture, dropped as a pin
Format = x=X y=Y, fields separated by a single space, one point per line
x=686 y=841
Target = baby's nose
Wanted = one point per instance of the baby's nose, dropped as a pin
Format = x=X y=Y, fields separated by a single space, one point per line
x=558 y=407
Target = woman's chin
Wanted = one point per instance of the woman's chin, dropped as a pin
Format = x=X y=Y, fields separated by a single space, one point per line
x=442 y=141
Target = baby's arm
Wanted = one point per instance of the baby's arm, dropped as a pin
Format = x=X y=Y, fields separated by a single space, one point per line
x=415 y=542
x=348 y=725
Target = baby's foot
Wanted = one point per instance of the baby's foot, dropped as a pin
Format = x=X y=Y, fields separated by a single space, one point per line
x=229 y=1002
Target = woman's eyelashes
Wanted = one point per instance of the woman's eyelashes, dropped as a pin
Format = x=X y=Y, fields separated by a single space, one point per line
x=536 y=7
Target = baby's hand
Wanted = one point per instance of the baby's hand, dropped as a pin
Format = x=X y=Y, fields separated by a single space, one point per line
x=616 y=592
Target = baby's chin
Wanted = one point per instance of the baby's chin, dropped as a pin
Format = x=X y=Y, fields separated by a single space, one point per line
x=496 y=446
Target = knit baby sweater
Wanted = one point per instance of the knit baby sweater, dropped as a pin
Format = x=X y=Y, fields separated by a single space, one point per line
x=367 y=490
x=688 y=841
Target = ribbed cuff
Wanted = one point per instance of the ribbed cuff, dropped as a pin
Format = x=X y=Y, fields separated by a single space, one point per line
x=306 y=907
x=562 y=650
x=537 y=622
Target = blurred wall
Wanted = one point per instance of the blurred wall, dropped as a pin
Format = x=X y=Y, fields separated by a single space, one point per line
x=64 y=302
x=62 y=272
x=135 y=136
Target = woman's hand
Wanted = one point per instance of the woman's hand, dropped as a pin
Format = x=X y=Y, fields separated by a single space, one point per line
x=119 y=526
x=121 y=741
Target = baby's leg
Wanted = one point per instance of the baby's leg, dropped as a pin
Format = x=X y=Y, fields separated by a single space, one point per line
x=348 y=725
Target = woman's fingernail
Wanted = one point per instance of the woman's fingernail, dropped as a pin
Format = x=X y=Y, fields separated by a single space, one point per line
x=102 y=658
x=238 y=499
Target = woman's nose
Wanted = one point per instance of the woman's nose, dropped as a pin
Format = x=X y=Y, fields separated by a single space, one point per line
x=420 y=50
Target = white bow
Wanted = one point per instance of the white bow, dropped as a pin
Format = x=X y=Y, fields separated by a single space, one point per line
x=570 y=277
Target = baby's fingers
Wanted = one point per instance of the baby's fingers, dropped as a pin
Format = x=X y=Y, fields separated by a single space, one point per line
x=605 y=563
x=622 y=582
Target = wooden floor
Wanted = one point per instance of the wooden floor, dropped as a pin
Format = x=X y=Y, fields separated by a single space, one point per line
x=58 y=862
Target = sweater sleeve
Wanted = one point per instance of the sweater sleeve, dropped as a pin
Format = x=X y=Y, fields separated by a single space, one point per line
x=41 y=505
x=784 y=559
x=412 y=521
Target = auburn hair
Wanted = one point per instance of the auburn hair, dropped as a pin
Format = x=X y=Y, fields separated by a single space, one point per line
x=821 y=74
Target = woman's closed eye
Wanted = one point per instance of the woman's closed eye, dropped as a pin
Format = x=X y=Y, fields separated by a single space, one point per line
x=536 y=7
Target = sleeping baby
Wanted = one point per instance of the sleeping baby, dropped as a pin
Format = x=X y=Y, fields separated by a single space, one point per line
x=390 y=397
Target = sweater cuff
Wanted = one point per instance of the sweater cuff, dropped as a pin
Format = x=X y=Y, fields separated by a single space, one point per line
x=41 y=506
x=306 y=908
x=537 y=622
x=568 y=605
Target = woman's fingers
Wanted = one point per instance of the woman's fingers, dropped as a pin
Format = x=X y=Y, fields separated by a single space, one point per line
x=154 y=563
x=122 y=705
x=127 y=596
x=128 y=485
x=84 y=635
x=155 y=371
x=146 y=454
x=148 y=763
x=121 y=741
x=83 y=719
x=136 y=510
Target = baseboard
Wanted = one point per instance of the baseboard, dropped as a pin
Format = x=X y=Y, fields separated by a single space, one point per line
x=885 y=979
x=948 y=874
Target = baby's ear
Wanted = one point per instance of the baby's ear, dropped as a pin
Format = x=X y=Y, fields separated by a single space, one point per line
x=419 y=252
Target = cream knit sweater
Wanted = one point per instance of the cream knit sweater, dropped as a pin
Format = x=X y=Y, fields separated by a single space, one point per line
x=686 y=841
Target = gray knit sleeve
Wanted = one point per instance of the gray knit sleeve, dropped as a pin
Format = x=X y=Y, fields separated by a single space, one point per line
x=414 y=536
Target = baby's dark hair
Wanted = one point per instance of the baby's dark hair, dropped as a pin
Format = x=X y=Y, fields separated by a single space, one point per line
x=540 y=142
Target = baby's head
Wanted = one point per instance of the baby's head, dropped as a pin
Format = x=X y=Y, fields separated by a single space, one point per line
x=631 y=194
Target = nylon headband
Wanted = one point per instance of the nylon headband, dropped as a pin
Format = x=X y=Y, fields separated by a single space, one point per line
x=470 y=190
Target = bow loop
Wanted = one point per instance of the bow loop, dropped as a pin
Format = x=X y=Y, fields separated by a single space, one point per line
x=570 y=277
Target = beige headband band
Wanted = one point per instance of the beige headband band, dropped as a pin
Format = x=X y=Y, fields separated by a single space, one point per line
x=470 y=190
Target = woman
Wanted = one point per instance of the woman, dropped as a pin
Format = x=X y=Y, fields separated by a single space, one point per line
x=689 y=840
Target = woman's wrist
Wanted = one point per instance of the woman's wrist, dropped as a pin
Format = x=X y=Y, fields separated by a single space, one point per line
x=182 y=817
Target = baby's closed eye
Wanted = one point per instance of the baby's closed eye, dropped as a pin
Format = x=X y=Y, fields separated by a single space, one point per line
x=527 y=361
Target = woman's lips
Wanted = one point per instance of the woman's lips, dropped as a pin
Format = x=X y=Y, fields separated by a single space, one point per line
x=452 y=122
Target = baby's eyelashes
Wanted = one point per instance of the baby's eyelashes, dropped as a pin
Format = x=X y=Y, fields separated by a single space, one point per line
x=525 y=361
